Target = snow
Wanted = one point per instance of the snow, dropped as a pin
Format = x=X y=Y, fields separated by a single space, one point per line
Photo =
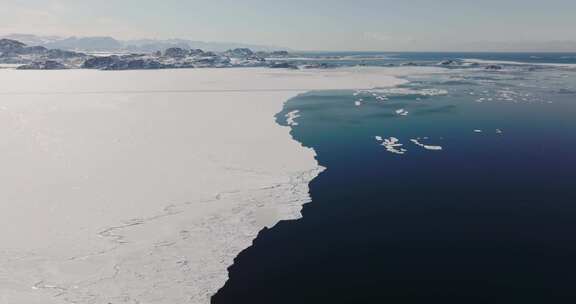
x=143 y=186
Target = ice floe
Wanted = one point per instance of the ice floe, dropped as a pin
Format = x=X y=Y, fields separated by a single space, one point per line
x=477 y=131
x=291 y=117
x=410 y=91
x=417 y=141
x=402 y=112
x=393 y=145
x=505 y=95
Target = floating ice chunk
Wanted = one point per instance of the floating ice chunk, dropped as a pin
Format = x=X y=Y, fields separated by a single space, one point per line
x=291 y=118
x=358 y=103
x=417 y=142
x=498 y=131
x=379 y=138
x=393 y=145
x=402 y=112
x=477 y=131
x=409 y=91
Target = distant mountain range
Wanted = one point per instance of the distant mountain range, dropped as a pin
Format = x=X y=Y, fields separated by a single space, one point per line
x=109 y=44
x=25 y=57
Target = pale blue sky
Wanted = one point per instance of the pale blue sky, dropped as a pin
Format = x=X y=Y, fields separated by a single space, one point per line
x=300 y=24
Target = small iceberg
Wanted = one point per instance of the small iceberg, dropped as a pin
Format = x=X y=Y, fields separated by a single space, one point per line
x=291 y=118
x=498 y=131
x=417 y=142
x=477 y=131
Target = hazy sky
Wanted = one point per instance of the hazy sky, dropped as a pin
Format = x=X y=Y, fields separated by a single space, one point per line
x=302 y=24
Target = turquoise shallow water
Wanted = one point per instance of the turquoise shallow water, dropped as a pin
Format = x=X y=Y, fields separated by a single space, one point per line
x=491 y=216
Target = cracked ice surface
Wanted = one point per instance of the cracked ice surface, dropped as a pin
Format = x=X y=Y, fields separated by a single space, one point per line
x=142 y=186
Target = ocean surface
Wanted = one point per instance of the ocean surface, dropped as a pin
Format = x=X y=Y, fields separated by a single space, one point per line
x=452 y=187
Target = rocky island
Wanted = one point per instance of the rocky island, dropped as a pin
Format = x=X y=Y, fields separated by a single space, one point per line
x=42 y=58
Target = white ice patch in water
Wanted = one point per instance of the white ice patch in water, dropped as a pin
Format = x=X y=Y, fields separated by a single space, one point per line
x=393 y=145
x=417 y=141
x=358 y=102
x=402 y=112
x=505 y=95
x=498 y=131
x=409 y=91
x=291 y=118
x=379 y=138
x=477 y=131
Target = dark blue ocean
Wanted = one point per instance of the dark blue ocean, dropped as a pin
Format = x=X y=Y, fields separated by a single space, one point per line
x=453 y=187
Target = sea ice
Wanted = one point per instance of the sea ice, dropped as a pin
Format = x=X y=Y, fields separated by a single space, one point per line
x=402 y=112
x=291 y=118
x=417 y=142
x=163 y=221
x=410 y=91
x=393 y=145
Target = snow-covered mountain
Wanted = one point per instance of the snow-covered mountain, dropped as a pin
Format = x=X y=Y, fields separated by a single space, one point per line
x=109 y=44
x=42 y=58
